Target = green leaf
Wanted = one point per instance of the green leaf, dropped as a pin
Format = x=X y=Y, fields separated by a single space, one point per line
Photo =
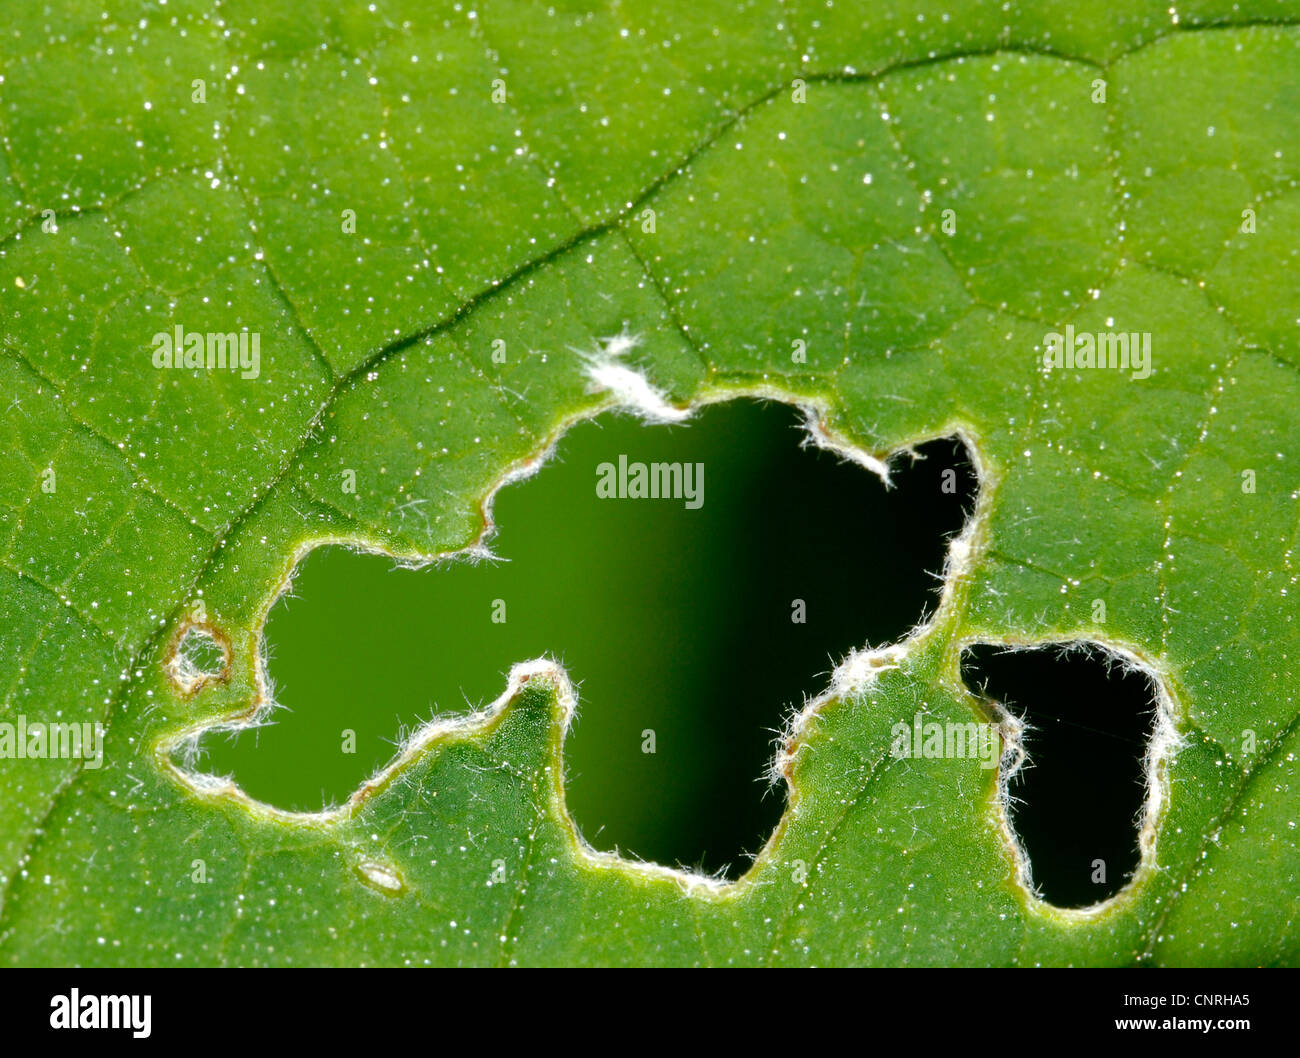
x=196 y=163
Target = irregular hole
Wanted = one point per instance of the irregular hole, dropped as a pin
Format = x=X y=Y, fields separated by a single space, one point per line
x=691 y=632
x=1076 y=804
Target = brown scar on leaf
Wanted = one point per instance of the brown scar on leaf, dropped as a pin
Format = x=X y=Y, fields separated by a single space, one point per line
x=184 y=676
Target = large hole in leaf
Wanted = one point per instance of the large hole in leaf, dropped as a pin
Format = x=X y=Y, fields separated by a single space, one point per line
x=1077 y=803
x=690 y=630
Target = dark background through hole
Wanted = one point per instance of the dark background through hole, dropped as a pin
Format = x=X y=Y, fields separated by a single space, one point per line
x=1079 y=798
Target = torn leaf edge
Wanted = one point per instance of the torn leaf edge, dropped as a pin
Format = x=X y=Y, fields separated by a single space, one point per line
x=630 y=392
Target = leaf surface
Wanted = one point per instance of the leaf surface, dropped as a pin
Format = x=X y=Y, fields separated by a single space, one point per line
x=525 y=220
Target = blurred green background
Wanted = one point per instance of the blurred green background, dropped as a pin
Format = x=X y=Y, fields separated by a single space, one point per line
x=669 y=620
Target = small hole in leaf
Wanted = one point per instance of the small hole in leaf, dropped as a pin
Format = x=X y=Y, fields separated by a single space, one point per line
x=200 y=657
x=691 y=630
x=1077 y=803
